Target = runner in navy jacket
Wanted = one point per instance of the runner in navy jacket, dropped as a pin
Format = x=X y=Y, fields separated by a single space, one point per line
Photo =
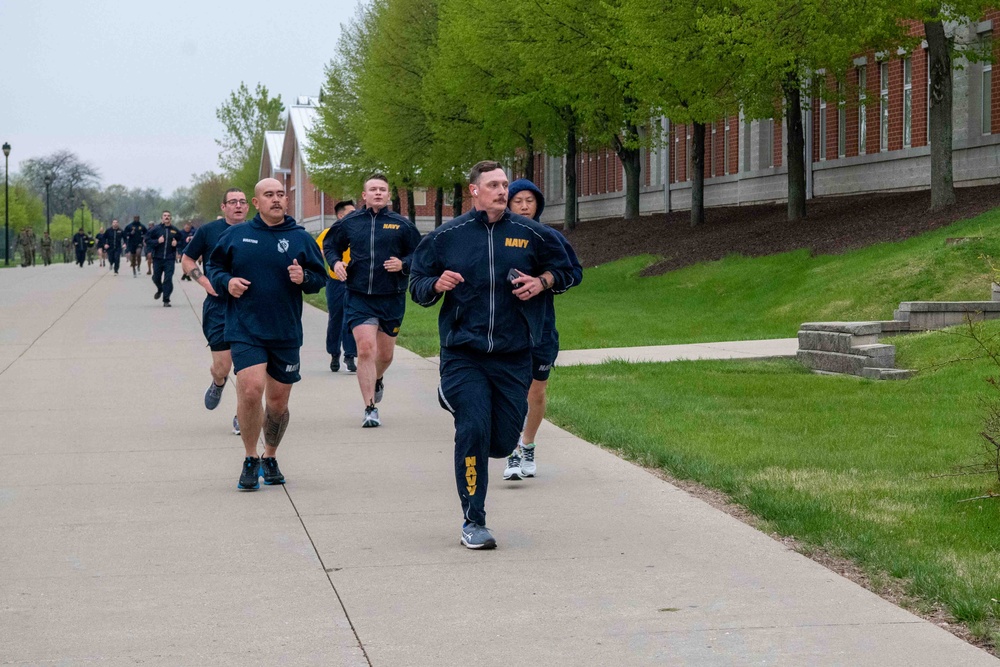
x=381 y=244
x=490 y=266
x=135 y=232
x=265 y=265
x=113 y=245
x=163 y=240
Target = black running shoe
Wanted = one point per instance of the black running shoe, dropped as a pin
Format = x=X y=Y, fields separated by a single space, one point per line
x=249 y=478
x=158 y=295
x=334 y=364
x=351 y=366
x=166 y=304
x=270 y=471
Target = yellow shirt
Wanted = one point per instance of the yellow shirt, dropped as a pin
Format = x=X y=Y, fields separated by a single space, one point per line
x=346 y=258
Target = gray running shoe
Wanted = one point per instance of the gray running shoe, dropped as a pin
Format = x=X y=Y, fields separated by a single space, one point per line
x=371 y=417
x=214 y=395
x=236 y=426
x=475 y=536
x=513 y=470
x=379 y=390
x=351 y=366
x=528 y=461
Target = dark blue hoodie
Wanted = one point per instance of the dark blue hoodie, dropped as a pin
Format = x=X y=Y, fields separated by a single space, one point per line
x=269 y=313
x=520 y=185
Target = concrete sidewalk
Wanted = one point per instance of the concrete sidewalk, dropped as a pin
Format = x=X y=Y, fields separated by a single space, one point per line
x=739 y=349
x=125 y=541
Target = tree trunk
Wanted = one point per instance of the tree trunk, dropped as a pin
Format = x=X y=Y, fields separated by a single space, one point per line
x=438 y=207
x=456 y=203
x=570 y=215
x=633 y=170
x=796 y=157
x=396 y=207
x=411 y=206
x=698 y=175
x=529 y=158
x=939 y=134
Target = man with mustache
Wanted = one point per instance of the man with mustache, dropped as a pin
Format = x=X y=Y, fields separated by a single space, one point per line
x=163 y=239
x=489 y=265
x=265 y=265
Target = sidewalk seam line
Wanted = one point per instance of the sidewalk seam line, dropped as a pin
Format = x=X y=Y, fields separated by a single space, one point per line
x=340 y=600
x=48 y=328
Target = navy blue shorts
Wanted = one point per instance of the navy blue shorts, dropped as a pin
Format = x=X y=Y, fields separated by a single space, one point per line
x=282 y=362
x=544 y=355
x=213 y=324
x=385 y=310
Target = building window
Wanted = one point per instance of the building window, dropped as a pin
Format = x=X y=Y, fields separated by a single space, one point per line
x=907 y=102
x=822 y=129
x=987 y=87
x=884 y=103
x=677 y=155
x=725 y=147
x=862 y=108
x=841 y=122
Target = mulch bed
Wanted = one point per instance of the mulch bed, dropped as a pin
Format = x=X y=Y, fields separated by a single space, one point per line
x=832 y=225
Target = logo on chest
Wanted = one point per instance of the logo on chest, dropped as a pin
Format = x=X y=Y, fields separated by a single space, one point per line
x=283 y=245
x=515 y=243
x=390 y=226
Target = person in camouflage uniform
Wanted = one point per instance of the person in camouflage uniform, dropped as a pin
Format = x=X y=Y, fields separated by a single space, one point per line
x=46 y=245
x=27 y=244
x=67 y=248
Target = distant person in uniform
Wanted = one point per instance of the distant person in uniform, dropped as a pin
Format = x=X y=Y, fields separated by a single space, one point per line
x=46 y=246
x=164 y=239
x=187 y=233
x=67 y=249
x=135 y=235
x=27 y=243
x=113 y=245
x=80 y=243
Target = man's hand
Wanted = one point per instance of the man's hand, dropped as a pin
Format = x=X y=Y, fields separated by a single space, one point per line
x=393 y=265
x=448 y=281
x=106 y=246
x=160 y=240
x=237 y=286
x=527 y=287
x=296 y=273
x=340 y=269
x=173 y=243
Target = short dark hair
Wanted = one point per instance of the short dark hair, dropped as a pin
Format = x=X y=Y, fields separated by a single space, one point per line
x=341 y=205
x=227 y=193
x=375 y=176
x=165 y=211
x=481 y=168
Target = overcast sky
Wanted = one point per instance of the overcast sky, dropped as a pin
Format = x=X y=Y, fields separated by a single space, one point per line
x=132 y=87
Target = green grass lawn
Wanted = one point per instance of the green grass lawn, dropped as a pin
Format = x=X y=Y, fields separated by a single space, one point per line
x=838 y=462
x=739 y=298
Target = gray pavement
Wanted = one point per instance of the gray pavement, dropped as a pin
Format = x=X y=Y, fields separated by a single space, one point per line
x=123 y=539
x=739 y=349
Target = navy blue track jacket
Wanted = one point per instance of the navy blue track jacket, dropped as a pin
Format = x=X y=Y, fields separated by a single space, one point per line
x=113 y=238
x=373 y=238
x=482 y=313
x=169 y=234
x=135 y=232
x=269 y=313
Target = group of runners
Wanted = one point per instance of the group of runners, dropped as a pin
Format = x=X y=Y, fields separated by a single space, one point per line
x=495 y=269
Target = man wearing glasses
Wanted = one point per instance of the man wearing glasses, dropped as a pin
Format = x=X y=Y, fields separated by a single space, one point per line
x=213 y=317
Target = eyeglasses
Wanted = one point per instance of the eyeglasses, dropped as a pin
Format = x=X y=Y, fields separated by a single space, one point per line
x=234 y=202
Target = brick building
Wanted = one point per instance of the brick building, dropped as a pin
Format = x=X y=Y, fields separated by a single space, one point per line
x=875 y=139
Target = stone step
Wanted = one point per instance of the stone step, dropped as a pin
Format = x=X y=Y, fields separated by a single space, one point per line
x=853 y=328
x=833 y=341
x=895 y=326
x=887 y=373
x=884 y=354
x=836 y=362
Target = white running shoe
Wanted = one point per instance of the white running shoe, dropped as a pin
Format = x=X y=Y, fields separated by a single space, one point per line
x=513 y=470
x=528 y=460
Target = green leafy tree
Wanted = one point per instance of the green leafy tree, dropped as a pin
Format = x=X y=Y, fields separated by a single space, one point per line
x=207 y=190
x=245 y=116
x=779 y=45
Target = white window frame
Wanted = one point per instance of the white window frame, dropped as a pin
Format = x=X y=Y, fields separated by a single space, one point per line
x=907 y=102
x=862 y=108
x=725 y=147
x=883 y=106
x=986 y=89
x=822 y=129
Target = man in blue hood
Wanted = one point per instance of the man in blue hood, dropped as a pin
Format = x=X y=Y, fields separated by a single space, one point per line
x=265 y=265
x=524 y=198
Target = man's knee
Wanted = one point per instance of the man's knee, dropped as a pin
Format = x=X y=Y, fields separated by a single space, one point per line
x=250 y=387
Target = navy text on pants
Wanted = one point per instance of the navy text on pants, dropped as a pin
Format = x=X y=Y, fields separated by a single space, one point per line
x=488 y=396
x=336 y=328
x=163 y=276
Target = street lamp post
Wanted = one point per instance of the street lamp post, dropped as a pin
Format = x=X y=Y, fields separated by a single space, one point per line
x=48 y=218
x=6 y=206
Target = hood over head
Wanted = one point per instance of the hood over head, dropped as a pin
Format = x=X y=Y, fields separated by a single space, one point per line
x=522 y=184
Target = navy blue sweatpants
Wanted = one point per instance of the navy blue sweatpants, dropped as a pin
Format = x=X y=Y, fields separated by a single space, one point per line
x=163 y=276
x=336 y=327
x=488 y=396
